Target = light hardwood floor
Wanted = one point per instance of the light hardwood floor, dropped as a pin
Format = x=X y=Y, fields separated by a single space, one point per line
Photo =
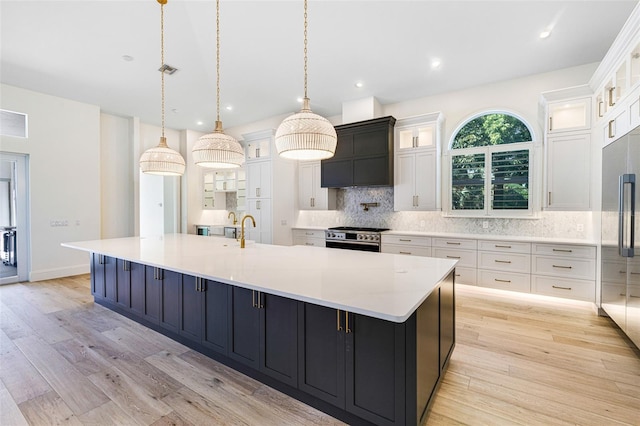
x=64 y=359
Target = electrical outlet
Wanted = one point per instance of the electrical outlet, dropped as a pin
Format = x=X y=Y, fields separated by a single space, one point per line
x=485 y=225
x=283 y=222
x=580 y=227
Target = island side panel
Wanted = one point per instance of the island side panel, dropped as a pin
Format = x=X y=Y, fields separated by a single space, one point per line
x=427 y=354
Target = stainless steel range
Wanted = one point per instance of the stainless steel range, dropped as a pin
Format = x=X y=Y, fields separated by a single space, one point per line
x=354 y=238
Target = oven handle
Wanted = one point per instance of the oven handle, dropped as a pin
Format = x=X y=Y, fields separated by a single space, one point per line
x=355 y=242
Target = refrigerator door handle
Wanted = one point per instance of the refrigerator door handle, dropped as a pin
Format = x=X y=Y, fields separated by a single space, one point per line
x=626 y=251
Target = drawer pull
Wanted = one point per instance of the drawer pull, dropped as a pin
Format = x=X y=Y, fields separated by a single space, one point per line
x=622 y=272
x=405 y=252
x=453 y=257
x=308 y=244
x=562 y=267
x=561 y=288
x=453 y=244
x=457 y=275
x=501 y=281
x=499 y=246
x=502 y=261
x=563 y=250
x=623 y=295
x=635 y=297
x=308 y=233
x=634 y=273
x=405 y=241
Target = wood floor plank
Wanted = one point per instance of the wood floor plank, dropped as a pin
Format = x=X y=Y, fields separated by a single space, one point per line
x=13 y=326
x=48 y=409
x=75 y=389
x=48 y=330
x=198 y=410
x=106 y=414
x=144 y=343
x=130 y=396
x=10 y=413
x=83 y=358
x=172 y=419
x=20 y=378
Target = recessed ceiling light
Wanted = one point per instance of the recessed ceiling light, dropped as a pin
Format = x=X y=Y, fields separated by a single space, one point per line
x=199 y=123
x=359 y=84
x=299 y=100
x=435 y=64
x=127 y=58
x=228 y=107
x=545 y=33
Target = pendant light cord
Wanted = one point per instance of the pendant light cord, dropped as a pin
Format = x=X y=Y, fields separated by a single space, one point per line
x=305 y=49
x=217 y=61
x=162 y=59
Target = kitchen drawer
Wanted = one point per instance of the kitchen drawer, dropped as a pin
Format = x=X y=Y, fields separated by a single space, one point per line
x=406 y=249
x=465 y=258
x=305 y=241
x=413 y=240
x=564 y=267
x=465 y=276
x=510 y=262
x=455 y=243
x=308 y=233
x=564 y=250
x=562 y=287
x=504 y=280
x=504 y=246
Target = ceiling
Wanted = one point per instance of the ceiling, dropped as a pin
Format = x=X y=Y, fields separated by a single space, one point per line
x=74 y=49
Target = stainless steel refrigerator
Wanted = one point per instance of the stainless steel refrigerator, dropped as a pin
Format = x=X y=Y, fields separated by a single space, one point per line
x=620 y=228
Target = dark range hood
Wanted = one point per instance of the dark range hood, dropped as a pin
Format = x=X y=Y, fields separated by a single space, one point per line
x=364 y=155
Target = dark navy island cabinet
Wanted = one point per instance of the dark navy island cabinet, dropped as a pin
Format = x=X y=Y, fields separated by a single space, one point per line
x=357 y=368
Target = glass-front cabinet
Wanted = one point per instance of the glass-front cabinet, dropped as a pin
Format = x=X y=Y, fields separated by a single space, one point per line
x=569 y=115
x=218 y=183
x=417 y=136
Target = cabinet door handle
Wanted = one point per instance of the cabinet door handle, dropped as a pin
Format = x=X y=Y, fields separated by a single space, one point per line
x=550 y=123
x=308 y=244
x=257 y=152
x=611 y=102
x=563 y=267
x=612 y=133
x=346 y=323
x=100 y=259
x=635 y=297
x=403 y=240
x=417 y=201
x=339 y=326
x=563 y=250
x=501 y=261
x=253 y=299
x=126 y=265
x=308 y=233
x=502 y=281
x=453 y=257
x=600 y=105
x=258 y=205
x=561 y=288
x=549 y=199
x=260 y=301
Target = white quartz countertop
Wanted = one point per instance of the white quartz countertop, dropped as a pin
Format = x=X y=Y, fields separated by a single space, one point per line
x=385 y=286
x=492 y=237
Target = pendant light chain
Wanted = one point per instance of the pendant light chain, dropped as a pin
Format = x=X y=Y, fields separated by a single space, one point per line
x=162 y=60
x=218 y=60
x=305 y=49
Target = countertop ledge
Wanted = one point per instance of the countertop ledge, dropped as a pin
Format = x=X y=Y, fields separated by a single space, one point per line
x=489 y=237
x=385 y=286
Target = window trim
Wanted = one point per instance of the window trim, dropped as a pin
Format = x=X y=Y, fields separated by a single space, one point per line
x=532 y=146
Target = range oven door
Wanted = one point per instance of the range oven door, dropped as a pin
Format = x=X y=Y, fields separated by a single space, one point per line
x=360 y=245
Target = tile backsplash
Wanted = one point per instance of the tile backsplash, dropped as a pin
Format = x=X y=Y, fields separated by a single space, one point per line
x=349 y=212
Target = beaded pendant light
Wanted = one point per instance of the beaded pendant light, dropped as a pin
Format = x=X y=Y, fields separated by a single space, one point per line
x=305 y=135
x=162 y=160
x=218 y=150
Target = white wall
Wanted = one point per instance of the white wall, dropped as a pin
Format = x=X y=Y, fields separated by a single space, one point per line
x=116 y=177
x=64 y=162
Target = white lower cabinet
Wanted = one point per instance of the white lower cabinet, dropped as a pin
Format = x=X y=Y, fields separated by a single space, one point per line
x=309 y=237
x=560 y=270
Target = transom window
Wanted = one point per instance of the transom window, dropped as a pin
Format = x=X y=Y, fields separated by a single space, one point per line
x=490 y=166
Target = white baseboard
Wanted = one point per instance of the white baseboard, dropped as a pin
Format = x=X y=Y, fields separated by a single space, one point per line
x=50 y=274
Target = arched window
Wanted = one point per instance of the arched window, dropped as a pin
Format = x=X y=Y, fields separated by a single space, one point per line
x=490 y=166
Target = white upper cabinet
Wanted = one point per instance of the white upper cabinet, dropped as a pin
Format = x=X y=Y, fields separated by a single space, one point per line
x=258 y=149
x=416 y=136
x=571 y=115
x=569 y=172
x=259 y=179
x=311 y=196
x=225 y=181
x=417 y=161
x=212 y=199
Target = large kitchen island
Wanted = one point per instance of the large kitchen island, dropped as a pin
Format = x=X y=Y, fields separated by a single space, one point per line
x=365 y=337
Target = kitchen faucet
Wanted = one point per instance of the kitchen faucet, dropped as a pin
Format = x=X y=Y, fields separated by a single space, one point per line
x=248 y=216
x=235 y=220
